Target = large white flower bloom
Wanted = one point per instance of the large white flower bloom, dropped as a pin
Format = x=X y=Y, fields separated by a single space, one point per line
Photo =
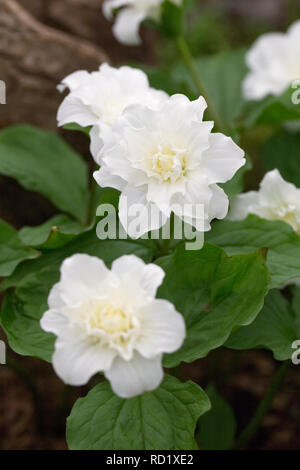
x=98 y=98
x=109 y=320
x=168 y=158
x=276 y=200
x=274 y=62
x=129 y=18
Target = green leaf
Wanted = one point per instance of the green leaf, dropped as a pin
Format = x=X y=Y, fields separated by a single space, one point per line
x=41 y=161
x=73 y=126
x=164 y=419
x=283 y=244
x=222 y=76
x=171 y=82
x=281 y=151
x=20 y=315
x=217 y=427
x=23 y=308
x=274 y=329
x=61 y=229
x=272 y=110
x=171 y=18
x=215 y=294
x=52 y=234
x=296 y=306
x=12 y=251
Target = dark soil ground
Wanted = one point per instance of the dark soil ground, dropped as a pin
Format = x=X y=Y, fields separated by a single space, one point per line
x=34 y=403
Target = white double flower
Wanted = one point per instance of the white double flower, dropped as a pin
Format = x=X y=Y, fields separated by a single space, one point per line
x=168 y=159
x=274 y=63
x=110 y=321
x=276 y=200
x=96 y=99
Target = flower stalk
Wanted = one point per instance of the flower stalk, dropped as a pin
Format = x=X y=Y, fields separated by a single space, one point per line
x=263 y=407
x=189 y=62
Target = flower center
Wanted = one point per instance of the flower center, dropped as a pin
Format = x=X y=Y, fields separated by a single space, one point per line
x=168 y=163
x=288 y=214
x=110 y=319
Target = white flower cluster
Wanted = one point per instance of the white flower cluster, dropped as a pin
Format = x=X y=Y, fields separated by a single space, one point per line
x=158 y=152
x=276 y=200
x=274 y=63
x=131 y=15
x=109 y=320
x=155 y=149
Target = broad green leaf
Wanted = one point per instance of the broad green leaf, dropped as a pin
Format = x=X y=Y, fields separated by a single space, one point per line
x=12 y=250
x=20 y=315
x=41 y=161
x=273 y=110
x=73 y=126
x=61 y=229
x=282 y=243
x=296 y=306
x=217 y=427
x=274 y=328
x=23 y=308
x=222 y=76
x=172 y=18
x=282 y=151
x=164 y=419
x=171 y=83
x=52 y=234
x=215 y=294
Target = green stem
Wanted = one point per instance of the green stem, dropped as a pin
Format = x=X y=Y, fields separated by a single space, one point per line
x=263 y=407
x=164 y=248
x=189 y=62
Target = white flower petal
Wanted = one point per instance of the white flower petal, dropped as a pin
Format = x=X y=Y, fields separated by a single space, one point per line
x=73 y=110
x=150 y=276
x=137 y=215
x=77 y=358
x=218 y=206
x=97 y=141
x=131 y=378
x=109 y=6
x=126 y=27
x=243 y=204
x=274 y=189
x=54 y=321
x=223 y=158
x=55 y=301
x=294 y=30
x=163 y=329
x=81 y=275
x=74 y=80
x=105 y=179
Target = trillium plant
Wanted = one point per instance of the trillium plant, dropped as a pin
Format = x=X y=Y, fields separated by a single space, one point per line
x=106 y=290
